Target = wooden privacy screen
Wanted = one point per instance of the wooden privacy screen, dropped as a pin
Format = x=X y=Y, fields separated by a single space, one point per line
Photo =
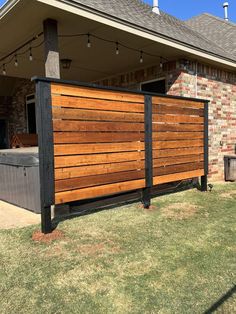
x=178 y=139
x=99 y=141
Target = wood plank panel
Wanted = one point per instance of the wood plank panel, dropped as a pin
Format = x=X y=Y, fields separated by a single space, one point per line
x=95 y=93
x=83 y=182
x=96 y=104
x=95 y=115
x=79 y=149
x=177 y=144
x=86 y=126
x=177 y=176
x=93 y=159
x=185 y=103
x=70 y=196
x=160 y=171
x=166 y=161
x=166 y=109
x=95 y=137
x=177 y=119
x=158 y=127
x=165 y=136
x=73 y=172
x=177 y=152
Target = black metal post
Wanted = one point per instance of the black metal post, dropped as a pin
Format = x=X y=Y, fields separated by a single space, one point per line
x=146 y=195
x=46 y=152
x=206 y=150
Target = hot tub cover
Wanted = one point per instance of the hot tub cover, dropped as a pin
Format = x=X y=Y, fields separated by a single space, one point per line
x=24 y=157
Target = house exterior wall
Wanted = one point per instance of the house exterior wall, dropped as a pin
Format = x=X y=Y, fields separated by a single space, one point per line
x=17 y=122
x=191 y=79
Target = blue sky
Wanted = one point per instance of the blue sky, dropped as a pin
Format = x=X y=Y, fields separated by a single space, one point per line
x=185 y=9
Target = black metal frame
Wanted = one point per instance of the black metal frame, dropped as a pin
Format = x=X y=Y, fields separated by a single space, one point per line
x=46 y=147
x=46 y=152
x=206 y=149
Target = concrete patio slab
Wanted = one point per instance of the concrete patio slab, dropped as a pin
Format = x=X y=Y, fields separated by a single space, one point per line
x=15 y=217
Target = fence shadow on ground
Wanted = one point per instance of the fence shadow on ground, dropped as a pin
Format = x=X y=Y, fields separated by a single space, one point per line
x=83 y=208
x=221 y=301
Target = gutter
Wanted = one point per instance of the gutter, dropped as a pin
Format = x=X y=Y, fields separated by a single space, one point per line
x=7 y=7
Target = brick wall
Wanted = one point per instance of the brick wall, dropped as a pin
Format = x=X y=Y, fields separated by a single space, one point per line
x=210 y=83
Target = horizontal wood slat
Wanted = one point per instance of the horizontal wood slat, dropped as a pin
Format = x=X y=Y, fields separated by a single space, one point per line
x=95 y=93
x=81 y=194
x=89 y=170
x=158 y=127
x=177 y=176
x=177 y=152
x=83 y=182
x=177 y=119
x=166 y=109
x=86 y=126
x=160 y=171
x=95 y=115
x=93 y=159
x=80 y=149
x=184 y=103
x=96 y=137
x=96 y=104
x=177 y=144
x=165 y=136
x=166 y=161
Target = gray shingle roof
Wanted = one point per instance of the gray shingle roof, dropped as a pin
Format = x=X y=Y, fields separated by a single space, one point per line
x=218 y=30
x=140 y=15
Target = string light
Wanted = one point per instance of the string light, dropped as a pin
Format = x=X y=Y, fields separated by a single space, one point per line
x=4 y=72
x=30 y=55
x=16 y=61
x=141 y=57
x=117 y=49
x=89 y=42
x=18 y=52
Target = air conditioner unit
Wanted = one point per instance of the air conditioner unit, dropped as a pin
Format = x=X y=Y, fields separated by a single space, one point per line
x=230 y=168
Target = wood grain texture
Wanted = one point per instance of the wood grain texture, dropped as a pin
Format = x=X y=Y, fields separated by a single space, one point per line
x=96 y=115
x=167 y=109
x=177 y=152
x=176 y=160
x=93 y=159
x=158 y=127
x=95 y=148
x=177 y=144
x=97 y=137
x=96 y=104
x=71 y=90
x=109 y=189
x=160 y=171
x=177 y=119
x=86 y=126
x=169 y=135
x=89 y=170
x=184 y=103
x=177 y=176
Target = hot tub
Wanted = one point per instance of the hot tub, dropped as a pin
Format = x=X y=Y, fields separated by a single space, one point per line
x=19 y=178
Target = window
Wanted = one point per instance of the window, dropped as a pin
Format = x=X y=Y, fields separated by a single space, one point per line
x=31 y=115
x=157 y=86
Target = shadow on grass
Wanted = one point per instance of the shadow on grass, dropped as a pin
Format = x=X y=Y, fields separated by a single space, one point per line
x=221 y=301
x=83 y=208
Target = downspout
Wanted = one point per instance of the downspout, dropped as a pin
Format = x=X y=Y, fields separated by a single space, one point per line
x=196 y=78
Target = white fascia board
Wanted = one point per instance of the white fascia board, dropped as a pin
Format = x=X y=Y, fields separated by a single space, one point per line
x=75 y=8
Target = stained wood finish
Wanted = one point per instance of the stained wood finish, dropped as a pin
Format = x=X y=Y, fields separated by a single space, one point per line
x=99 y=141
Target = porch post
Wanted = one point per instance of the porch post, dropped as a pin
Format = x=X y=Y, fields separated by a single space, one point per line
x=206 y=149
x=51 y=49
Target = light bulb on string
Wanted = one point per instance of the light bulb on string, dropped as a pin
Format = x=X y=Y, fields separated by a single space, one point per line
x=16 y=61
x=141 y=57
x=117 y=49
x=4 y=72
x=30 y=55
x=89 y=42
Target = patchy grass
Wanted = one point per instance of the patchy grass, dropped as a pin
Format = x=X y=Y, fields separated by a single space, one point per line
x=178 y=257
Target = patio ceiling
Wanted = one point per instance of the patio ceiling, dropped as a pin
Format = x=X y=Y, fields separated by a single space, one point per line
x=25 y=20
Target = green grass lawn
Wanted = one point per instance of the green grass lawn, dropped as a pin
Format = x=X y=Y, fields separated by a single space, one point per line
x=179 y=257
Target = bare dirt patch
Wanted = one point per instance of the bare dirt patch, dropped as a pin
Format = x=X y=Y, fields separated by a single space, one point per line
x=38 y=236
x=99 y=248
x=179 y=211
x=230 y=194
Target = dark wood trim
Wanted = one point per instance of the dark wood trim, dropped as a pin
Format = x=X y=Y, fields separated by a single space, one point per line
x=46 y=152
x=206 y=149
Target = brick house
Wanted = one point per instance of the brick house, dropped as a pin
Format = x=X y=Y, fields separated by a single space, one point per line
x=123 y=44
